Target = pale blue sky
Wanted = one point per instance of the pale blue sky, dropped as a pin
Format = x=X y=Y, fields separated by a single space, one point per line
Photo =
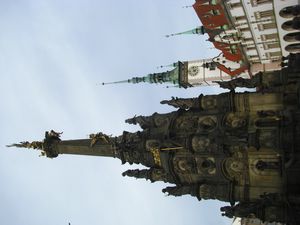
x=52 y=55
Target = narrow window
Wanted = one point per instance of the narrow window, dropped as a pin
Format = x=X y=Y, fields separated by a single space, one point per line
x=266 y=26
x=264 y=14
x=271 y=45
x=273 y=36
x=260 y=2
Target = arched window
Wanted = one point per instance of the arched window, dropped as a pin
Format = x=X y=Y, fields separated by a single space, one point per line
x=293 y=48
x=291 y=37
x=291 y=24
x=287 y=25
x=290 y=11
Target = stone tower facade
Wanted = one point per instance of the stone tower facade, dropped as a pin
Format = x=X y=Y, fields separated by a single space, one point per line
x=239 y=148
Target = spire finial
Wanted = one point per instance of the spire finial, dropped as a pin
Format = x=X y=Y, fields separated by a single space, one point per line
x=198 y=30
x=173 y=86
x=45 y=146
x=117 y=82
x=27 y=144
x=169 y=65
x=187 y=6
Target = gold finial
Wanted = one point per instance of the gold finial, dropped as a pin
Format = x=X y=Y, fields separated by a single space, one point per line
x=45 y=146
x=27 y=144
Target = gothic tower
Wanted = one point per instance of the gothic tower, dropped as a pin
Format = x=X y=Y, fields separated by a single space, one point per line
x=239 y=148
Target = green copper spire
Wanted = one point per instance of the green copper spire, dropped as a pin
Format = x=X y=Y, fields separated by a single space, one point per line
x=169 y=65
x=197 y=30
x=171 y=76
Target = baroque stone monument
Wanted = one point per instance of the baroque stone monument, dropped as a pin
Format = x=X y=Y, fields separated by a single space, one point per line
x=239 y=148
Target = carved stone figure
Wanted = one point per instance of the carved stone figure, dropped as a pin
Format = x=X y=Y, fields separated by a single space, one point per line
x=144 y=121
x=207 y=165
x=201 y=144
x=240 y=82
x=144 y=173
x=235 y=121
x=99 y=137
x=207 y=123
x=181 y=103
x=220 y=192
x=181 y=190
x=242 y=210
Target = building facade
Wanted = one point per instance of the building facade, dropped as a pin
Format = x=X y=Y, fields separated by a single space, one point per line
x=254 y=33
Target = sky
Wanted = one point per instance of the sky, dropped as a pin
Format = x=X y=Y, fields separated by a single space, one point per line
x=53 y=55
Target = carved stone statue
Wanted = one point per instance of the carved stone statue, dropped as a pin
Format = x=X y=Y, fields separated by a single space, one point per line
x=181 y=103
x=152 y=174
x=144 y=121
x=99 y=137
x=182 y=190
x=242 y=209
x=240 y=82
x=256 y=209
x=144 y=173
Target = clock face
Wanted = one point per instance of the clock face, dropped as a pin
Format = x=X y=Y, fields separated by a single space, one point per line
x=193 y=71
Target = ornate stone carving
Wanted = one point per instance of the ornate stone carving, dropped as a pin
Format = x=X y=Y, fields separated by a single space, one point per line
x=201 y=144
x=233 y=168
x=235 y=121
x=241 y=210
x=240 y=82
x=160 y=175
x=99 y=137
x=207 y=123
x=181 y=103
x=144 y=121
x=46 y=146
x=186 y=123
x=220 y=192
x=268 y=208
x=184 y=165
x=181 y=190
x=137 y=173
x=206 y=166
x=209 y=102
